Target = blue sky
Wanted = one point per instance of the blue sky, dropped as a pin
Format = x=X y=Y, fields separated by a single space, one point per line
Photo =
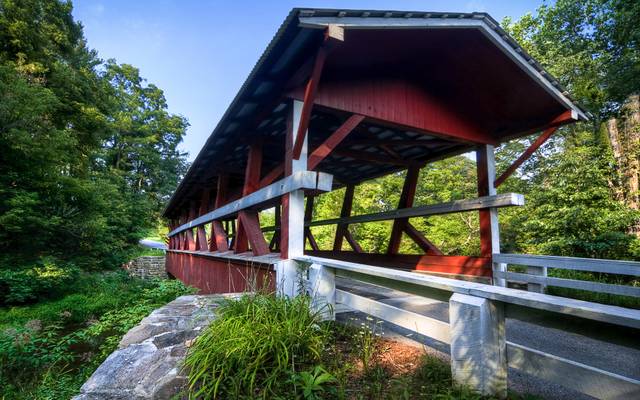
x=200 y=52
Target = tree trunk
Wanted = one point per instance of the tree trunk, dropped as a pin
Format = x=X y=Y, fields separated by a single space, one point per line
x=624 y=136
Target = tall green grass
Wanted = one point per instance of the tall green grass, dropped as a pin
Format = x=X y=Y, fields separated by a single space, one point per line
x=255 y=348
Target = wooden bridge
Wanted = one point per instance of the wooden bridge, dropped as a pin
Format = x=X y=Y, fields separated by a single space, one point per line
x=341 y=97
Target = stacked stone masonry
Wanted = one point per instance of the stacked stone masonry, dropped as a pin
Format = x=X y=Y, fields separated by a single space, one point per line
x=149 y=361
x=147 y=267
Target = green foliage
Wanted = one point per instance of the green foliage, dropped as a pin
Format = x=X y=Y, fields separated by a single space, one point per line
x=44 y=280
x=592 y=46
x=570 y=209
x=88 y=151
x=312 y=384
x=49 y=349
x=254 y=347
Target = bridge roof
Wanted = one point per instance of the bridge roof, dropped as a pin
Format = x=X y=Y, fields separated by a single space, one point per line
x=441 y=83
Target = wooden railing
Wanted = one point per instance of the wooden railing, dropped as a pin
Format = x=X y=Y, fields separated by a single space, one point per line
x=303 y=180
x=536 y=276
x=480 y=353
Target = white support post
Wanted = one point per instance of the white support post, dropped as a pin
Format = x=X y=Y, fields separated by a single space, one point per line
x=537 y=271
x=322 y=289
x=288 y=269
x=489 y=156
x=478 y=344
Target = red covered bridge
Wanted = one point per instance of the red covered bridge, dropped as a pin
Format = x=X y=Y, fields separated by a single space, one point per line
x=341 y=97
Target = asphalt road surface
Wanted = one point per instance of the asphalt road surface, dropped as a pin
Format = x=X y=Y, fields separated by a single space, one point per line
x=623 y=360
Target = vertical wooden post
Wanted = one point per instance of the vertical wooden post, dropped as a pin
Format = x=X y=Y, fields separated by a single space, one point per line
x=201 y=235
x=478 y=344
x=181 y=237
x=308 y=215
x=248 y=223
x=219 y=240
x=538 y=271
x=292 y=222
x=172 y=239
x=406 y=200
x=275 y=239
x=190 y=243
x=489 y=228
x=343 y=229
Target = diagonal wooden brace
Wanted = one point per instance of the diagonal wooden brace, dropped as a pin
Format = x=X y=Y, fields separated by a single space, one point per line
x=253 y=234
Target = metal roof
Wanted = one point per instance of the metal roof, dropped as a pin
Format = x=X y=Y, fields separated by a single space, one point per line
x=259 y=100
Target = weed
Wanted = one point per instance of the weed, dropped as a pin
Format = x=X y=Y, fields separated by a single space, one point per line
x=254 y=346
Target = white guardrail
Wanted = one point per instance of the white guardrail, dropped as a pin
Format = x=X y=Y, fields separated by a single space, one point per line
x=480 y=353
x=536 y=277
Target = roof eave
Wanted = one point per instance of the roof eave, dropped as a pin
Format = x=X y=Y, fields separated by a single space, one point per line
x=487 y=25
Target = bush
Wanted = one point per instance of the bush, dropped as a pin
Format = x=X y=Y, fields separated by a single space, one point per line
x=47 y=350
x=43 y=280
x=259 y=346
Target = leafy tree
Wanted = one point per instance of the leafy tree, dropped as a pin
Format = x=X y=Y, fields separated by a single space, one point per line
x=61 y=113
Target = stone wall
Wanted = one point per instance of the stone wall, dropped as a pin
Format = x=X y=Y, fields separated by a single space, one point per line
x=147 y=267
x=148 y=362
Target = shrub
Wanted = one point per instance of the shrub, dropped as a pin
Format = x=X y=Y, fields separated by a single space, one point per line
x=43 y=280
x=47 y=350
x=256 y=347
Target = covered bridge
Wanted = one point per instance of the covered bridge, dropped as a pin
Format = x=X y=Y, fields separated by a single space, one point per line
x=341 y=97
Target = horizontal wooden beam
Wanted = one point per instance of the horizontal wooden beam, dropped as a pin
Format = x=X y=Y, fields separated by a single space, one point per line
x=500 y=200
x=577 y=308
x=624 y=290
x=451 y=265
x=300 y=180
x=392 y=142
x=574 y=263
x=414 y=322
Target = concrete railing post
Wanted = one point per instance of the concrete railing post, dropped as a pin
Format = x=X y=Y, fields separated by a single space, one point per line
x=288 y=274
x=322 y=289
x=288 y=278
x=478 y=344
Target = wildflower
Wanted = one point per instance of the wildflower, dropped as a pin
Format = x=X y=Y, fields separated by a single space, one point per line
x=34 y=325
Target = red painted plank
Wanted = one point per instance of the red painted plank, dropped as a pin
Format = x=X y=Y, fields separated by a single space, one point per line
x=219 y=239
x=213 y=275
x=406 y=200
x=271 y=176
x=322 y=151
x=422 y=241
x=251 y=227
x=394 y=101
x=525 y=156
x=485 y=215
x=341 y=229
x=308 y=99
x=463 y=265
x=246 y=226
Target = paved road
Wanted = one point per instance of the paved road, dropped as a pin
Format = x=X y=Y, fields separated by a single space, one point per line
x=598 y=353
x=153 y=244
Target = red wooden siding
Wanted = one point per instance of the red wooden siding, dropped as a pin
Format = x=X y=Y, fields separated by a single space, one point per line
x=396 y=101
x=212 y=275
x=458 y=265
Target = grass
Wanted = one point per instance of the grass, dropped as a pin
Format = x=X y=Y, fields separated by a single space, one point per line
x=48 y=349
x=255 y=349
x=261 y=346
